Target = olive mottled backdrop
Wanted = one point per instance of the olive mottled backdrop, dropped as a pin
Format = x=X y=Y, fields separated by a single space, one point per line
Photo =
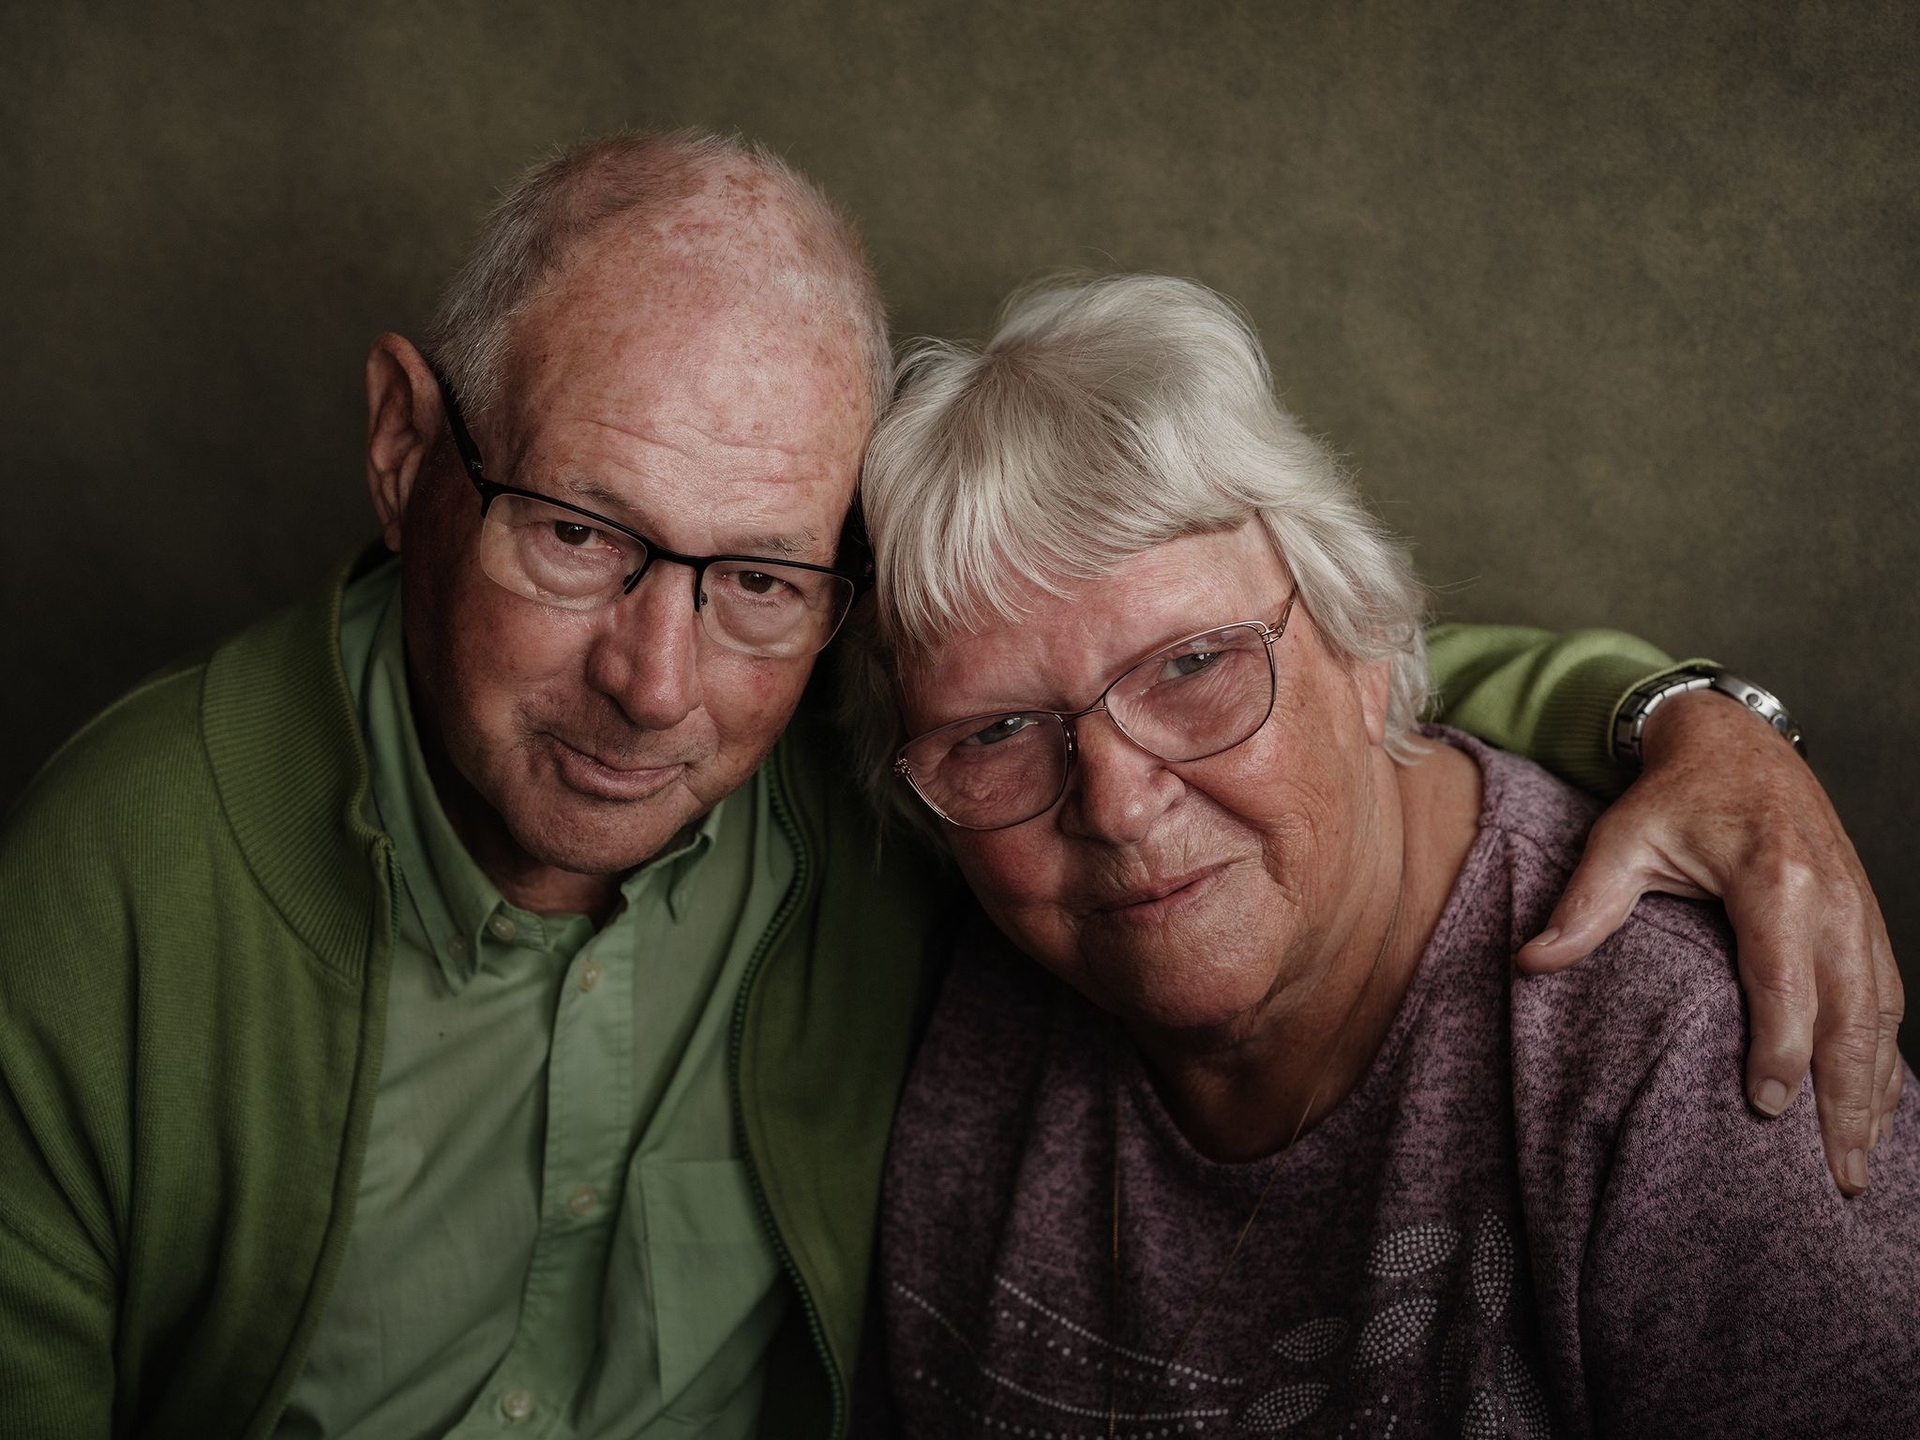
x=1617 y=314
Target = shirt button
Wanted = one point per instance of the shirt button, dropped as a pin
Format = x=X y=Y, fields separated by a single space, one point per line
x=583 y=1202
x=502 y=929
x=457 y=948
x=589 y=974
x=517 y=1404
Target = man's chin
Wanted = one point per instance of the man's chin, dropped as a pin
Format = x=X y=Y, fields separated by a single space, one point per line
x=599 y=837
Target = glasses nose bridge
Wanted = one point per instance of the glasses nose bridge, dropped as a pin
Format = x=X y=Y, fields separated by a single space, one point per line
x=651 y=555
x=1070 y=728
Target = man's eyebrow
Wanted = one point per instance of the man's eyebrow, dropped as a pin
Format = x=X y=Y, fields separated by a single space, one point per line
x=798 y=543
x=594 y=496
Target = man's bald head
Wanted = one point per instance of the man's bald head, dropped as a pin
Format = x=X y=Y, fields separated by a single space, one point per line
x=697 y=200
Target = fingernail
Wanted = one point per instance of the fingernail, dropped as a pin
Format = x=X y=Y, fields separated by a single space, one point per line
x=1873 y=1136
x=1770 y=1098
x=1857 y=1168
x=1545 y=937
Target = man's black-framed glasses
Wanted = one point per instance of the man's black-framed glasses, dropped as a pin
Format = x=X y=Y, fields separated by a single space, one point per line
x=573 y=559
x=1186 y=701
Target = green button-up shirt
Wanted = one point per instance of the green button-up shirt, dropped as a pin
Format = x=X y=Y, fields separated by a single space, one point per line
x=555 y=1234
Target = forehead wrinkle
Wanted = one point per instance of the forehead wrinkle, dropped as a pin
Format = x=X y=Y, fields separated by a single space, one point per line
x=789 y=543
x=688 y=320
x=646 y=437
x=578 y=478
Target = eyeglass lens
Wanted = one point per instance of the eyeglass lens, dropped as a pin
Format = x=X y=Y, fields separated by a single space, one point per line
x=1186 y=702
x=561 y=558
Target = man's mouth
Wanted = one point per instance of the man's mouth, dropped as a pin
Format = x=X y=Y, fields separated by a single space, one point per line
x=613 y=779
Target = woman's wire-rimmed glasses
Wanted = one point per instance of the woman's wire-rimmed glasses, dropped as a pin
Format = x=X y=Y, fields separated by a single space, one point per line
x=1186 y=701
x=573 y=559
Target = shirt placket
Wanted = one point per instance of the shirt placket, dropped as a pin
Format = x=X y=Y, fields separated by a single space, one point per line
x=589 y=1122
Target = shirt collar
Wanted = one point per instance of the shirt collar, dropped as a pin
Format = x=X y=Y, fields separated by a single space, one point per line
x=678 y=863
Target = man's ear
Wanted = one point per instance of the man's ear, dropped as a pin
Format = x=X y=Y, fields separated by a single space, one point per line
x=403 y=420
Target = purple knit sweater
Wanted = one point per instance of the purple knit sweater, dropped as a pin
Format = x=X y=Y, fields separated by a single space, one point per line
x=1545 y=1209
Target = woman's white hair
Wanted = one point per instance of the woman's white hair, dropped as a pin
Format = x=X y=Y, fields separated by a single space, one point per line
x=1103 y=418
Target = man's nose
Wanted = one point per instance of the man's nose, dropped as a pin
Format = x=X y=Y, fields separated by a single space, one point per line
x=1117 y=790
x=646 y=658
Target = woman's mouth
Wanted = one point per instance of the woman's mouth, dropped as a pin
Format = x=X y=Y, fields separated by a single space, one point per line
x=1158 y=899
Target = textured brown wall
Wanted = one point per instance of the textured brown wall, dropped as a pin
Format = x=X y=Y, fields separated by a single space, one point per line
x=1613 y=308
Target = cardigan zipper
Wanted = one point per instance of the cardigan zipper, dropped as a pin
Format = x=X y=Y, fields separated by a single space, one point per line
x=782 y=918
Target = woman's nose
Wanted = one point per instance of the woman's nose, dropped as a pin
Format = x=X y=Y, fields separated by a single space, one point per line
x=1117 y=790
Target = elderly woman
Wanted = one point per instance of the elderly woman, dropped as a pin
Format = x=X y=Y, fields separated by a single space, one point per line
x=1243 y=1123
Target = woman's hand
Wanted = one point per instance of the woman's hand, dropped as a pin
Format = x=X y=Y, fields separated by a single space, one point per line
x=1725 y=807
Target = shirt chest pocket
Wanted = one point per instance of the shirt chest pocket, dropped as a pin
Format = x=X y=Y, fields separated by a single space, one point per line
x=714 y=1281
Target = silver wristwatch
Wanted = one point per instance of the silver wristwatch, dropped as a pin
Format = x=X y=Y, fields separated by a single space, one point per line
x=1631 y=720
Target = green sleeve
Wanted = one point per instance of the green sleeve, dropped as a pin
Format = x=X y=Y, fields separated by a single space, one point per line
x=56 y=1301
x=58 y=999
x=1549 y=697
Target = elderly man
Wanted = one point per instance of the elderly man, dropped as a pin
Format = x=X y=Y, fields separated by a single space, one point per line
x=446 y=1009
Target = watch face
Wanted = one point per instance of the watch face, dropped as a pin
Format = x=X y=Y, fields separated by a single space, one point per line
x=1763 y=703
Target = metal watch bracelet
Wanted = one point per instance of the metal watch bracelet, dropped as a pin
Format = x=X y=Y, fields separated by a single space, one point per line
x=1631 y=721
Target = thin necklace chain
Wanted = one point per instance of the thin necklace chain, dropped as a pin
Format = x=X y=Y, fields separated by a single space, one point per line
x=1212 y=1291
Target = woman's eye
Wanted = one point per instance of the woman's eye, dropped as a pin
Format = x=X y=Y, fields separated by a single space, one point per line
x=1004 y=728
x=1181 y=666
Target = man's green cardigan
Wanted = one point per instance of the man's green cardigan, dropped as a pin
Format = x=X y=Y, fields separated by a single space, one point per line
x=192 y=1000
x=190 y=1037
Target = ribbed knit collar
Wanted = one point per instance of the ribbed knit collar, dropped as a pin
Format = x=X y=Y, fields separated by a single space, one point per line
x=292 y=774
